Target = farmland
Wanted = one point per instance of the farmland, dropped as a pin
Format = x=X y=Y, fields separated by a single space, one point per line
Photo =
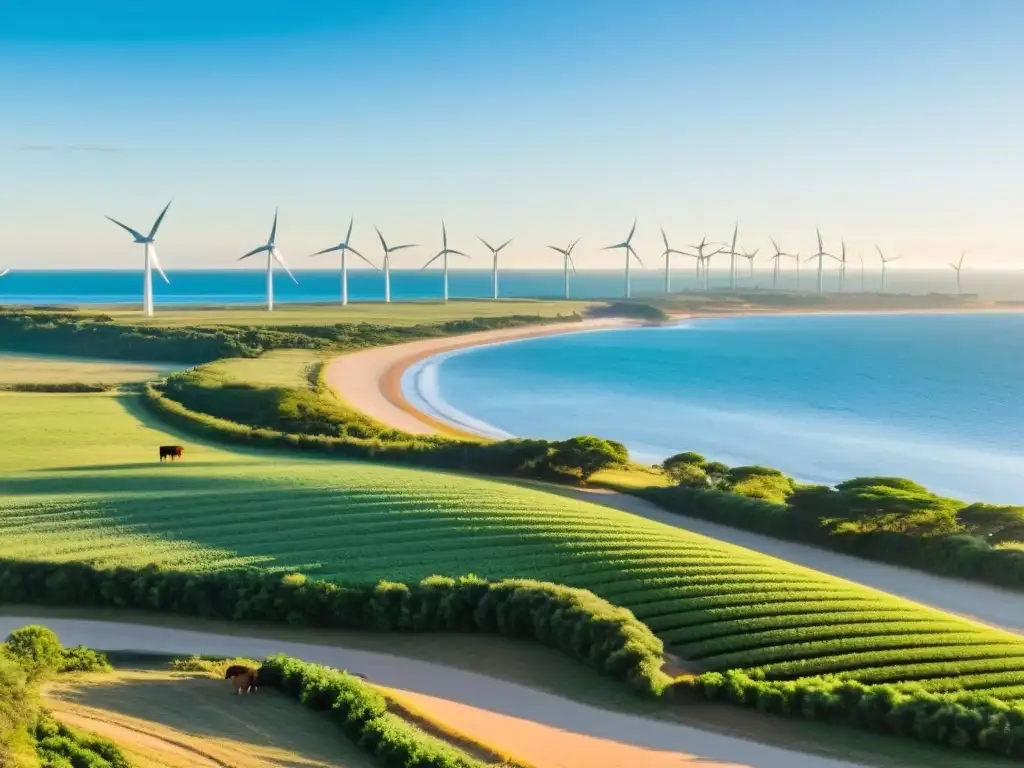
x=44 y=369
x=85 y=485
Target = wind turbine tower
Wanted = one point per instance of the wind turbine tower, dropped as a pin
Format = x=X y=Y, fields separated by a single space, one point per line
x=494 y=268
x=820 y=256
x=884 y=262
x=704 y=259
x=628 y=248
x=387 y=263
x=270 y=248
x=148 y=242
x=842 y=267
x=344 y=248
x=667 y=255
x=732 y=258
x=567 y=253
x=959 y=267
x=861 y=257
x=443 y=255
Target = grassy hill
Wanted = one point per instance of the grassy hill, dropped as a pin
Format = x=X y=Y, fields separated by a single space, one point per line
x=84 y=483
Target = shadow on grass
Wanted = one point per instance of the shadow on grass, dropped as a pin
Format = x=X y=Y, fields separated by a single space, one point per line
x=208 y=708
x=138 y=465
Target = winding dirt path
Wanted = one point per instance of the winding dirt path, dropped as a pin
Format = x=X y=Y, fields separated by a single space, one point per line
x=560 y=732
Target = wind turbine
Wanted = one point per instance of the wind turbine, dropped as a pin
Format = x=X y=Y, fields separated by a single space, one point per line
x=344 y=247
x=151 y=260
x=750 y=258
x=861 y=257
x=704 y=259
x=567 y=253
x=884 y=262
x=667 y=255
x=628 y=248
x=796 y=258
x=777 y=258
x=732 y=258
x=387 y=263
x=959 y=267
x=443 y=255
x=820 y=256
x=272 y=255
x=494 y=252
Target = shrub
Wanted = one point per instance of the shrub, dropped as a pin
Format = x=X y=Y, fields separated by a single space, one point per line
x=59 y=745
x=17 y=711
x=82 y=659
x=586 y=455
x=36 y=649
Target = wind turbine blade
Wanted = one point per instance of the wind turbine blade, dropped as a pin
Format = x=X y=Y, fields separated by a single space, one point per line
x=895 y=258
x=613 y=247
x=629 y=250
x=458 y=253
x=631 y=231
x=821 y=247
x=489 y=246
x=775 y=245
x=880 y=254
x=348 y=235
x=664 y=239
x=556 y=248
x=383 y=244
x=159 y=220
x=433 y=259
x=573 y=244
x=280 y=260
x=155 y=261
x=357 y=253
x=133 y=233
x=273 y=230
x=327 y=250
x=400 y=247
x=504 y=244
x=572 y=264
x=254 y=251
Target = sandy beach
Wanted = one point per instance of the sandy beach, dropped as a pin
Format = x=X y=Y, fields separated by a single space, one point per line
x=370 y=381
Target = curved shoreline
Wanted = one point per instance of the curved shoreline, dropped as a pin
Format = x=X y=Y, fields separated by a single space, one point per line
x=370 y=381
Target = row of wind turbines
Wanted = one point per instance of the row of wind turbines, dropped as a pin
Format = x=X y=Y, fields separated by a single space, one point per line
x=701 y=252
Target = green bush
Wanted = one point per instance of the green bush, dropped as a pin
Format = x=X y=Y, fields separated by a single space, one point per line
x=17 y=712
x=82 y=659
x=57 y=745
x=586 y=455
x=36 y=649
x=961 y=721
x=605 y=637
x=362 y=714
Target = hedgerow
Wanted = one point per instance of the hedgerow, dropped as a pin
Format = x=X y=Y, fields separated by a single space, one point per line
x=362 y=714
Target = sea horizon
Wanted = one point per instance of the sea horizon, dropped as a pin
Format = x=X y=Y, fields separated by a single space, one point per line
x=248 y=286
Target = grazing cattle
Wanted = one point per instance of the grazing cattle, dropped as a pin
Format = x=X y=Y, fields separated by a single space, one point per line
x=171 y=452
x=244 y=678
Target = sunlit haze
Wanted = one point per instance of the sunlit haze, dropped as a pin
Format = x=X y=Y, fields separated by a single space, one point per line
x=896 y=123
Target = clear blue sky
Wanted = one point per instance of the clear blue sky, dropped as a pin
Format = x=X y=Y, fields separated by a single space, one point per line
x=881 y=120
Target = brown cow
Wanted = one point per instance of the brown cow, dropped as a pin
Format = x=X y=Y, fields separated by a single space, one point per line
x=171 y=452
x=244 y=678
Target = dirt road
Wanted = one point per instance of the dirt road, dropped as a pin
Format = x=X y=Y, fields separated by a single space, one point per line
x=583 y=734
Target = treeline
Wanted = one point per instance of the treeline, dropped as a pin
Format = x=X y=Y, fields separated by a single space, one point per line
x=63 y=333
x=360 y=438
x=961 y=721
x=888 y=519
x=606 y=638
x=29 y=737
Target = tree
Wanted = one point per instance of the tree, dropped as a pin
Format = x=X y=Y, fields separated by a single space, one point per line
x=996 y=524
x=879 y=504
x=586 y=455
x=717 y=472
x=687 y=469
x=17 y=711
x=36 y=649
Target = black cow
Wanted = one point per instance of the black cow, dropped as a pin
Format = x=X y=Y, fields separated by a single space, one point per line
x=171 y=452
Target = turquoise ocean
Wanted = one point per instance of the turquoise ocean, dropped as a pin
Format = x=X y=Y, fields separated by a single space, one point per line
x=935 y=398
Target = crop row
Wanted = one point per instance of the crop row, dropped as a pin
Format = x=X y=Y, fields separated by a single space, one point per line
x=902 y=664
x=715 y=628
x=971 y=682
x=749 y=640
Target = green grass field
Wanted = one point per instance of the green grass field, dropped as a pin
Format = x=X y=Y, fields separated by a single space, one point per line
x=278 y=368
x=396 y=313
x=45 y=369
x=84 y=483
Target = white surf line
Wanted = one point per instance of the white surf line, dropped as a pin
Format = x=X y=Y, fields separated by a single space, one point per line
x=467 y=688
